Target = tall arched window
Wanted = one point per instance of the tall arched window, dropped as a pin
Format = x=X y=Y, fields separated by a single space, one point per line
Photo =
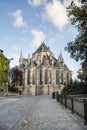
x=62 y=77
x=40 y=76
x=57 y=77
x=28 y=77
x=50 y=76
x=33 y=77
x=67 y=77
x=46 y=76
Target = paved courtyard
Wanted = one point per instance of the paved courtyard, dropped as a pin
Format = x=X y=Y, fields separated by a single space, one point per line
x=36 y=113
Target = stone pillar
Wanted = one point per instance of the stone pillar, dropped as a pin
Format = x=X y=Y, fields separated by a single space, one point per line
x=25 y=82
x=37 y=80
x=65 y=78
x=26 y=76
x=59 y=77
x=48 y=81
x=43 y=80
x=43 y=77
x=53 y=79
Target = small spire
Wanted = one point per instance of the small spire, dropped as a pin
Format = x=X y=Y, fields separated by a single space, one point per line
x=21 y=57
x=21 y=54
x=28 y=56
x=61 y=54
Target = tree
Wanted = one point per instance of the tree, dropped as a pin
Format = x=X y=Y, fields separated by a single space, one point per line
x=16 y=76
x=78 y=47
x=4 y=67
x=74 y=87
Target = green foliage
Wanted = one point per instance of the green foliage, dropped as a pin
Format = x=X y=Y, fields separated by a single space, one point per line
x=78 y=18
x=78 y=47
x=4 y=66
x=74 y=87
x=14 y=89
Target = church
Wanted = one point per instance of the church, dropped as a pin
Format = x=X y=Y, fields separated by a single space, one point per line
x=43 y=73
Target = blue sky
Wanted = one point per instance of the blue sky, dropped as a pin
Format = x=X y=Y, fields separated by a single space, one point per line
x=25 y=24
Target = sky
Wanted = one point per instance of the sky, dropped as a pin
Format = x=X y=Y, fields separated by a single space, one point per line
x=25 y=24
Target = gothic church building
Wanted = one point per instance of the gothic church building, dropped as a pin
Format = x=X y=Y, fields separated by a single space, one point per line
x=43 y=73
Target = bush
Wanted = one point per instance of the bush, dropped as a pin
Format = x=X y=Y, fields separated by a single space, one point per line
x=14 y=89
x=75 y=87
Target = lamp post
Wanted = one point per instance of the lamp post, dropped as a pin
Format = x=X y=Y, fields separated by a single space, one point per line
x=10 y=60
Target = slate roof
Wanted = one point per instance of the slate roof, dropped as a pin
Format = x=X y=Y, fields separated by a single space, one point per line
x=66 y=67
x=21 y=66
x=32 y=63
x=47 y=60
x=57 y=64
x=42 y=47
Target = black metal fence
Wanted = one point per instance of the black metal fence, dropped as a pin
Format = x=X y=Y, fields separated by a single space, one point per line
x=77 y=104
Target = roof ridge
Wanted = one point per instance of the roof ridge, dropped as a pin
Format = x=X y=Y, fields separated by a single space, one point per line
x=42 y=47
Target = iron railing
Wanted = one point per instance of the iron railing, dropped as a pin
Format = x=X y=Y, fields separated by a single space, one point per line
x=77 y=104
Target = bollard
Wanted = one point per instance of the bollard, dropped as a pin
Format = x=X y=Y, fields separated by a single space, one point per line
x=85 y=111
x=53 y=95
x=65 y=101
x=58 y=97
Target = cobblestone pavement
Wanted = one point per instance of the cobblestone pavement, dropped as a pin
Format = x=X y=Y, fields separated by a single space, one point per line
x=36 y=113
x=13 y=111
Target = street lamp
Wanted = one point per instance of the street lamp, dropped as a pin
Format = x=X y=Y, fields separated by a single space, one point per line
x=1 y=51
x=10 y=60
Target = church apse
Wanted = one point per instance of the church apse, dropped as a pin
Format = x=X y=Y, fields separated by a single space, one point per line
x=44 y=73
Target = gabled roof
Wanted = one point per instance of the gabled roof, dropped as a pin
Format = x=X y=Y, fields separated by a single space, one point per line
x=66 y=67
x=21 y=66
x=57 y=64
x=42 y=47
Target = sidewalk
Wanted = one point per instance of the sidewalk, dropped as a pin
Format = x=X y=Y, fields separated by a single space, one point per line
x=47 y=114
x=10 y=94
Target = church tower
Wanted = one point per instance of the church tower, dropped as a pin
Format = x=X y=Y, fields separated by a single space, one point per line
x=21 y=58
x=60 y=60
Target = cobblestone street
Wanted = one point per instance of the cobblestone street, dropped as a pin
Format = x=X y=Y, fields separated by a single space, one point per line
x=36 y=113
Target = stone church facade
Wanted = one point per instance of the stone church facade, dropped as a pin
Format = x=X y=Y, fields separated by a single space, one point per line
x=43 y=73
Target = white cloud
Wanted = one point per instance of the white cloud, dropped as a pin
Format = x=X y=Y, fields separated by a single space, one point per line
x=56 y=13
x=36 y=2
x=15 y=48
x=18 y=19
x=39 y=37
x=67 y=2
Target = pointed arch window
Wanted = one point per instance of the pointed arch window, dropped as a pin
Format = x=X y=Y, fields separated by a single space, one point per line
x=33 y=77
x=62 y=77
x=50 y=77
x=57 y=77
x=67 y=77
x=40 y=76
x=46 y=76
x=28 y=77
